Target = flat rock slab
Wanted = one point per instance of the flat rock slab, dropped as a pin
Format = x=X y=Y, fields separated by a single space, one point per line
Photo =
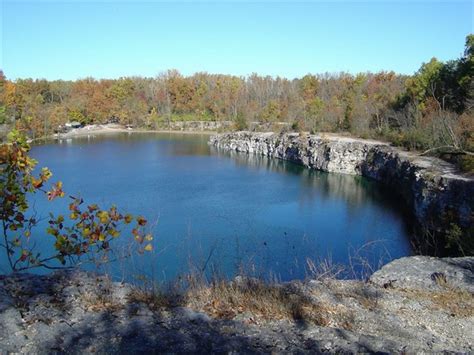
x=402 y=309
x=427 y=273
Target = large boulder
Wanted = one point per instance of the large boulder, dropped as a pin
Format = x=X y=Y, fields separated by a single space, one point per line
x=427 y=273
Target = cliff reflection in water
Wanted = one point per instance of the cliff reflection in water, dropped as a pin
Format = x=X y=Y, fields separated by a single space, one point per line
x=354 y=190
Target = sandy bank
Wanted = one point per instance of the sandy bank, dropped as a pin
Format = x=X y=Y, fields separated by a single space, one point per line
x=93 y=130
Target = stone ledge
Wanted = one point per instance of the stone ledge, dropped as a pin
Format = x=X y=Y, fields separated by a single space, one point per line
x=431 y=187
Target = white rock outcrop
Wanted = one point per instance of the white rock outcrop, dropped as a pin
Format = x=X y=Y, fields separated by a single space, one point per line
x=437 y=194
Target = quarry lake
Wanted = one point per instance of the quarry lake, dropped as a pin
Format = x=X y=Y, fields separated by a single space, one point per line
x=226 y=212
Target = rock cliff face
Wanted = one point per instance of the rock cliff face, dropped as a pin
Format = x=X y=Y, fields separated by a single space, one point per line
x=4 y=129
x=437 y=195
x=197 y=125
x=216 y=125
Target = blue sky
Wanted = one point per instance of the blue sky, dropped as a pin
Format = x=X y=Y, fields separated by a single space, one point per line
x=109 y=39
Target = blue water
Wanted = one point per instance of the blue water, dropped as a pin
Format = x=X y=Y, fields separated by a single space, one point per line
x=224 y=212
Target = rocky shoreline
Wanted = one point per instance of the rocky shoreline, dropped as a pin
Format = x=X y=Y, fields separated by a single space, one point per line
x=438 y=195
x=414 y=304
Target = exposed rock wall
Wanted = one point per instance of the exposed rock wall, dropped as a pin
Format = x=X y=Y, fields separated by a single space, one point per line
x=435 y=192
x=219 y=125
x=197 y=125
x=4 y=129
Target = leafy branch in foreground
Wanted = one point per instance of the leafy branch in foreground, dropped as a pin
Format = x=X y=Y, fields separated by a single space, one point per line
x=87 y=233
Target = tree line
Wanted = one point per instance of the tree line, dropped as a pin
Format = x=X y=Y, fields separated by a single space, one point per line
x=431 y=110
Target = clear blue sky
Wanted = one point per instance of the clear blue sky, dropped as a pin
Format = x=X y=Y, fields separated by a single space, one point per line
x=109 y=39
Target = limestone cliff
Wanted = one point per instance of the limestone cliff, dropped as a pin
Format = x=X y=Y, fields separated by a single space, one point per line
x=437 y=194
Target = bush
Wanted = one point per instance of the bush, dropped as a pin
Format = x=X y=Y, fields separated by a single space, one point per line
x=295 y=126
x=88 y=231
x=240 y=123
x=3 y=115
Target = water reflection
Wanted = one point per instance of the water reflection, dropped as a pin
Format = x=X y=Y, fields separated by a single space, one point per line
x=353 y=189
x=189 y=144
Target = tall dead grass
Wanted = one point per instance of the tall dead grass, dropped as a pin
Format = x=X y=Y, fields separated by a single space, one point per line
x=257 y=301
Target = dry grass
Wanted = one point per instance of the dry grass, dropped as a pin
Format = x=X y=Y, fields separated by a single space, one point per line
x=456 y=302
x=262 y=302
x=100 y=298
x=155 y=298
x=365 y=300
x=323 y=269
x=99 y=302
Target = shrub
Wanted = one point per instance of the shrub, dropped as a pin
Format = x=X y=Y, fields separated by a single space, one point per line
x=466 y=163
x=240 y=123
x=295 y=126
x=88 y=232
x=3 y=115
